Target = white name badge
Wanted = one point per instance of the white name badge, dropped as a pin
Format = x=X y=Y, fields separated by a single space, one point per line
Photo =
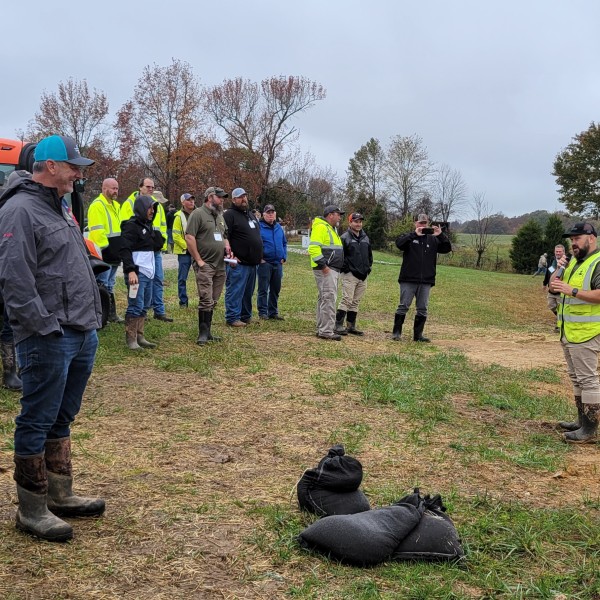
x=218 y=237
x=252 y=225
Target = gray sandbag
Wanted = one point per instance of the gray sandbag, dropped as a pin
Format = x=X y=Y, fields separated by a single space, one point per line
x=362 y=539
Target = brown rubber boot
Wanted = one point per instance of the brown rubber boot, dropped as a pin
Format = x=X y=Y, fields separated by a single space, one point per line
x=61 y=500
x=131 y=329
x=141 y=340
x=573 y=425
x=33 y=516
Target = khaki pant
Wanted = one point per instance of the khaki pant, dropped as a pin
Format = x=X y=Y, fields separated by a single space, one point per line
x=582 y=367
x=553 y=302
x=353 y=290
x=210 y=282
x=327 y=287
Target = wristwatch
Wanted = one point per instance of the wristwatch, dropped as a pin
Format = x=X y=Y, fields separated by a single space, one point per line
x=574 y=292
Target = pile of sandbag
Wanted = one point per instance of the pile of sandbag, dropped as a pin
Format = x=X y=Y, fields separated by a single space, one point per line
x=414 y=528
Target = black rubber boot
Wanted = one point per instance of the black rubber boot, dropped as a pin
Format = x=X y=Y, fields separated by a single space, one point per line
x=203 y=320
x=211 y=337
x=418 y=329
x=398 y=322
x=588 y=432
x=113 y=317
x=61 y=499
x=10 y=379
x=340 y=315
x=33 y=516
x=351 y=321
x=573 y=425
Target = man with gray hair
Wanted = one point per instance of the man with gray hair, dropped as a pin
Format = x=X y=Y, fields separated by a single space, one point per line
x=54 y=308
x=553 y=298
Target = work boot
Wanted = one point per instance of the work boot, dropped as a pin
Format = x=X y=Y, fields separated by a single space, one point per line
x=340 y=315
x=131 y=329
x=61 y=500
x=336 y=337
x=141 y=340
x=398 y=322
x=113 y=317
x=202 y=328
x=418 y=329
x=211 y=337
x=351 y=321
x=33 y=516
x=10 y=379
x=573 y=425
x=588 y=432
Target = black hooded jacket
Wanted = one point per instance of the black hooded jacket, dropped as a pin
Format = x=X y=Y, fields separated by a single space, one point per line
x=137 y=234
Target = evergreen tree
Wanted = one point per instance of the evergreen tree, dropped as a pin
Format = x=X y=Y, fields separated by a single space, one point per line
x=526 y=247
x=553 y=235
x=375 y=226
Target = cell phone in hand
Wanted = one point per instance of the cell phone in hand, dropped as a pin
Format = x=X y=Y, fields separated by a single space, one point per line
x=427 y=230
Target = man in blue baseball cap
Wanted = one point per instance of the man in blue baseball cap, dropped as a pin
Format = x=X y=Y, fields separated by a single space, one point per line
x=52 y=298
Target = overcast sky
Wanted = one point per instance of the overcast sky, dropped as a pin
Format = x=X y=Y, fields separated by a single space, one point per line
x=495 y=88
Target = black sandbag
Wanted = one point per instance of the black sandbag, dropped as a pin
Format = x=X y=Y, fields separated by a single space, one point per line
x=434 y=539
x=325 y=503
x=366 y=538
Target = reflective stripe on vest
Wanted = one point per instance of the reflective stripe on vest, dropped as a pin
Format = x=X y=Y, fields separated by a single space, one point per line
x=111 y=232
x=580 y=319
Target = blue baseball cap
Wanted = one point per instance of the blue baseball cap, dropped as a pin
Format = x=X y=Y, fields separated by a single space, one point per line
x=61 y=149
x=238 y=192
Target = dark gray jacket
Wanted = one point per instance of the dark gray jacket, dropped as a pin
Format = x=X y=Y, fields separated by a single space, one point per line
x=45 y=275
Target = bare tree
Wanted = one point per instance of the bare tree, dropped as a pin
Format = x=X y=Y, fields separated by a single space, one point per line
x=481 y=240
x=449 y=192
x=408 y=170
x=73 y=111
x=365 y=172
x=256 y=116
x=162 y=123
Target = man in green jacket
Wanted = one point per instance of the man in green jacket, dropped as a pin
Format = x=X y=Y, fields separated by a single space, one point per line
x=326 y=259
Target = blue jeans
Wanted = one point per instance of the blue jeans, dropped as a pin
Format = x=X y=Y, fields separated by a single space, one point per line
x=108 y=278
x=138 y=306
x=239 y=289
x=185 y=263
x=55 y=371
x=158 y=303
x=269 y=286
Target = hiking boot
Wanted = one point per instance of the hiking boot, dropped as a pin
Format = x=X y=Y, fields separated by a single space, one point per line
x=163 y=318
x=330 y=336
x=237 y=323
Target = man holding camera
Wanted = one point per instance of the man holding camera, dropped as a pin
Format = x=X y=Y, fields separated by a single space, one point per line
x=417 y=274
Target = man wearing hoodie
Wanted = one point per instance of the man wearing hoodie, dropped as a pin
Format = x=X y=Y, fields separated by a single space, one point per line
x=54 y=307
x=326 y=259
x=270 y=269
x=139 y=243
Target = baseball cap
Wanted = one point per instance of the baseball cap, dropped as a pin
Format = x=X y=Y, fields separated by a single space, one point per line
x=217 y=191
x=61 y=149
x=159 y=197
x=268 y=208
x=422 y=217
x=332 y=208
x=187 y=197
x=238 y=192
x=356 y=217
x=581 y=229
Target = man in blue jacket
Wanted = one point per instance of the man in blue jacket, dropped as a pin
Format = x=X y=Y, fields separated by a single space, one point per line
x=417 y=274
x=270 y=269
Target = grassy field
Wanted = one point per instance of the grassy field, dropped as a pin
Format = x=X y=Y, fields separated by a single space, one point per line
x=197 y=452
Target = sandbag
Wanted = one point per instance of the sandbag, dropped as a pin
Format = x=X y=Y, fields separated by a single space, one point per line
x=362 y=539
x=332 y=488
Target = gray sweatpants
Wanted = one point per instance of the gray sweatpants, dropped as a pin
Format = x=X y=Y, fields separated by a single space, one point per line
x=418 y=291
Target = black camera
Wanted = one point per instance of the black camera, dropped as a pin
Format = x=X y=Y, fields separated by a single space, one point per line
x=427 y=230
x=443 y=225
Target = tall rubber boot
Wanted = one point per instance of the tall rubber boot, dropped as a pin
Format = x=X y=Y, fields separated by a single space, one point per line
x=351 y=321
x=418 y=329
x=10 y=379
x=573 y=425
x=141 y=340
x=61 y=499
x=398 y=322
x=203 y=317
x=33 y=516
x=113 y=317
x=340 y=315
x=588 y=432
x=131 y=329
x=211 y=337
